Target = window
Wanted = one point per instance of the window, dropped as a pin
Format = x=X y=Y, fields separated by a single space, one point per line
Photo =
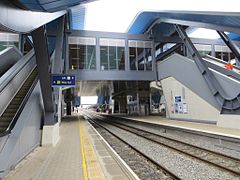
x=223 y=52
x=82 y=53
x=203 y=49
x=140 y=55
x=8 y=40
x=112 y=54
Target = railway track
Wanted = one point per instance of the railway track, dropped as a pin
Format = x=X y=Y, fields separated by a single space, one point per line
x=165 y=173
x=213 y=158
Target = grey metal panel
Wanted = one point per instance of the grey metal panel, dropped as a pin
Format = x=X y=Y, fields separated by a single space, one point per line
x=18 y=20
x=97 y=54
x=57 y=61
x=8 y=58
x=113 y=75
x=185 y=71
x=100 y=34
x=223 y=21
x=12 y=80
x=202 y=25
x=26 y=134
x=230 y=85
x=194 y=40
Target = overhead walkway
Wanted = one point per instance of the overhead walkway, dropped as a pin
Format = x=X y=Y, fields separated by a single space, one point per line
x=21 y=112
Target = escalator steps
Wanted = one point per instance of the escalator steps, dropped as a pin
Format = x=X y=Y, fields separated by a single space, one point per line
x=14 y=105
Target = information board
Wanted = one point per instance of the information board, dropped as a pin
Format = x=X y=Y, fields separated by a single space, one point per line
x=178 y=99
x=63 y=80
x=185 y=108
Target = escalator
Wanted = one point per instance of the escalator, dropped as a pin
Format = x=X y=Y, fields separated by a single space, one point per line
x=21 y=112
x=13 y=110
x=185 y=71
x=219 y=65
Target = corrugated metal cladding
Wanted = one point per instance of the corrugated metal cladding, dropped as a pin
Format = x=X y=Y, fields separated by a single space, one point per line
x=145 y=19
x=77 y=18
x=48 y=5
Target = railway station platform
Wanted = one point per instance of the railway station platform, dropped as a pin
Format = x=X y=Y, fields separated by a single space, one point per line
x=79 y=154
x=192 y=126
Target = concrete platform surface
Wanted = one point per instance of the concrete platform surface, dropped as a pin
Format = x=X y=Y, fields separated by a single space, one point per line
x=80 y=154
x=207 y=128
x=50 y=163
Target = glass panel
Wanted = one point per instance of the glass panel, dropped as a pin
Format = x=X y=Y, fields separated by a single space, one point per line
x=87 y=58
x=81 y=40
x=132 y=58
x=121 y=58
x=73 y=56
x=222 y=52
x=91 y=57
x=81 y=56
x=82 y=53
x=8 y=40
x=140 y=55
x=112 y=54
x=203 y=49
x=140 y=58
x=112 y=58
x=148 y=56
x=104 y=57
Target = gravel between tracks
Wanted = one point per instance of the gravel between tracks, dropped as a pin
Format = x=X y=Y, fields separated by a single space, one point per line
x=197 y=140
x=138 y=164
x=183 y=166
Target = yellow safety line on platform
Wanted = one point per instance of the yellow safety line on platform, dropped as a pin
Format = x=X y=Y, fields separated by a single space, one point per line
x=84 y=165
x=92 y=169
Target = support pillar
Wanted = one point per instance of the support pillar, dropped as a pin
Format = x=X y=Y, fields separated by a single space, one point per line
x=121 y=103
x=50 y=128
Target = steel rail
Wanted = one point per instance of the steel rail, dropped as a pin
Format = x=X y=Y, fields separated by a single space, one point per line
x=197 y=148
x=160 y=167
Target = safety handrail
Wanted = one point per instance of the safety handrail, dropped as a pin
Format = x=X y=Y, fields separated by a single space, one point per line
x=229 y=73
x=166 y=53
x=15 y=70
x=220 y=61
x=20 y=109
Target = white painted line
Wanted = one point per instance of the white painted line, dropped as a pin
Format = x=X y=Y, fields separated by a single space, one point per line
x=121 y=162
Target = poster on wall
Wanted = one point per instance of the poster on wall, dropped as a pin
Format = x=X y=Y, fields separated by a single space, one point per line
x=185 y=108
x=176 y=107
x=172 y=108
x=180 y=107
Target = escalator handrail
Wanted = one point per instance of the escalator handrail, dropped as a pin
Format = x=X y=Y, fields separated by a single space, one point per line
x=220 y=61
x=5 y=82
x=20 y=109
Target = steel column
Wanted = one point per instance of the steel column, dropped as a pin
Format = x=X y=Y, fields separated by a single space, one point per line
x=230 y=44
x=43 y=63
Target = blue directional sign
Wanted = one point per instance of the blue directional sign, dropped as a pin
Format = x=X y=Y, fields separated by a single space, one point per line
x=178 y=99
x=63 y=80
